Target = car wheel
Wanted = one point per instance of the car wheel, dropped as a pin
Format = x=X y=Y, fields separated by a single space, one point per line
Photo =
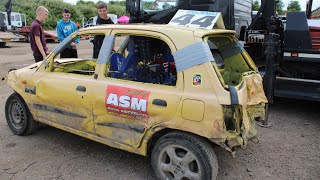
x=184 y=156
x=18 y=116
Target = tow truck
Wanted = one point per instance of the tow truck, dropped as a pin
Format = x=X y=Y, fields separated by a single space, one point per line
x=15 y=24
x=4 y=35
x=288 y=57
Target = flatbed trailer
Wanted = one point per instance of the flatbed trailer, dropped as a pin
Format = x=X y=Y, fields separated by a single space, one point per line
x=25 y=31
x=8 y=37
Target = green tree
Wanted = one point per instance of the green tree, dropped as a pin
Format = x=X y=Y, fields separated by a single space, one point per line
x=255 y=5
x=55 y=7
x=294 y=6
x=279 y=7
x=87 y=8
x=150 y=5
x=82 y=9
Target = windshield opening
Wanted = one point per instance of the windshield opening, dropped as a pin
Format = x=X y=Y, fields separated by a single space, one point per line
x=158 y=4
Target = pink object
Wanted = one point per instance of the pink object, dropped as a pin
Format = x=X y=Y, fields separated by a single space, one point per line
x=123 y=19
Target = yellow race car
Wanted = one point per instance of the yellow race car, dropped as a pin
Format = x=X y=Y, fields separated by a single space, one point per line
x=162 y=91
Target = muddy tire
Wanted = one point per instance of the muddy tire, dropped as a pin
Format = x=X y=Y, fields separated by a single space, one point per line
x=18 y=116
x=179 y=155
x=2 y=44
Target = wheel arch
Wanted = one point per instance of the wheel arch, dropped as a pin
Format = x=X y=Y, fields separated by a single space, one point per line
x=159 y=131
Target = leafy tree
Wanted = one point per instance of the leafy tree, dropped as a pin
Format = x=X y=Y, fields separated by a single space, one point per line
x=279 y=7
x=294 y=6
x=82 y=9
x=88 y=8
x=119 y=3
x=150 y=5
x=255 y=5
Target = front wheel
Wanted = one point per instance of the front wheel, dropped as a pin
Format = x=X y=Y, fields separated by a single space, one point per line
x=184 y=156
x=18 y=115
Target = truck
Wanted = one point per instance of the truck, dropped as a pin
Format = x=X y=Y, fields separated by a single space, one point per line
x=51 y=36
x=18 y=20
x=288 y=58
x=6 y=36
x=18 y=26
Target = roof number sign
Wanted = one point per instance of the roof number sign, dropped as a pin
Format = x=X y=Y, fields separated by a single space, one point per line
x=200 y=19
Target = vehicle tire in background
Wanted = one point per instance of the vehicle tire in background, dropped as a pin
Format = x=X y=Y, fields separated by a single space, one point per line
x=28 y=37
x=18 y=116
x=179 y=155
x=2 y=44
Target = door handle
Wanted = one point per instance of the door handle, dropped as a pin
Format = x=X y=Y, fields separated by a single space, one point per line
x=159 y=102
x=81 y=88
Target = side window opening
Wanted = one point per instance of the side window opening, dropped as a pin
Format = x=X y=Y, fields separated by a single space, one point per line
x=17 y=17
x=228 y=58
x=142 y=59
x=84 y=63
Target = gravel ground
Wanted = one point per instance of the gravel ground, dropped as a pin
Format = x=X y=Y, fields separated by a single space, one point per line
x=287 y=150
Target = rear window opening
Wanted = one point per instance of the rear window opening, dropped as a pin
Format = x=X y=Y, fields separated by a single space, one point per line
x=228 y=58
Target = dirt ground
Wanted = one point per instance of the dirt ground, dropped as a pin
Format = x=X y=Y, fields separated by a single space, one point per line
x=290 y=149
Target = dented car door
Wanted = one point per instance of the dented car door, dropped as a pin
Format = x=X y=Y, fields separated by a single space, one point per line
x=62 y=99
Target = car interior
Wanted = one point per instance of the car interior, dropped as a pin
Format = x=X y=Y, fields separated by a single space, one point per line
x=139 y=58
x=228 y=59
x=143 y=59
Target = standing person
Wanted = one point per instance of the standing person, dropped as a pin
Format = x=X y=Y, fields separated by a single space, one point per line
x=65 y=27
x=37 y=38
x=103 y=18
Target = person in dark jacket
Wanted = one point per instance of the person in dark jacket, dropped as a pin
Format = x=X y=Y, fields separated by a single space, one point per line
x=103 y=18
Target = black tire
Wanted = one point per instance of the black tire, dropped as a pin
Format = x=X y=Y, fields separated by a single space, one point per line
x=18 y=116
x=179 y=155
x=2 y=44
x=28 y=37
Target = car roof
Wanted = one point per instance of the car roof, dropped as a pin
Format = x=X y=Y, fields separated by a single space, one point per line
x=163 y=28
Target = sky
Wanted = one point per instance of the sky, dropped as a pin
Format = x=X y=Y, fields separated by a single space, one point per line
x=316 y=3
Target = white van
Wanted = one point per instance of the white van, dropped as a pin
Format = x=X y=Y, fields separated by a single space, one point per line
x=17 y=20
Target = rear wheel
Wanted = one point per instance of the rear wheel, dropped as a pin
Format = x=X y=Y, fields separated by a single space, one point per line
x=184 y=156
x=18 y=116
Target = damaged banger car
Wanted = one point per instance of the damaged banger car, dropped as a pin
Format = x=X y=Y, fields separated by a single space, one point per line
x=162 y=91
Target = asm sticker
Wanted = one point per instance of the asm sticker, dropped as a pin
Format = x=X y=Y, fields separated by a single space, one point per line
x=127 y=102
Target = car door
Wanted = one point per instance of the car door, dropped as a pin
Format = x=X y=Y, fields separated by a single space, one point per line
x=62 y=99
x=124 y=110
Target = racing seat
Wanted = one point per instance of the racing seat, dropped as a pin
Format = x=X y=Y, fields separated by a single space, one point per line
x=120 y=65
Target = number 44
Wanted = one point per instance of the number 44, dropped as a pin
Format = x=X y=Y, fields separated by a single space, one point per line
x=186 y=19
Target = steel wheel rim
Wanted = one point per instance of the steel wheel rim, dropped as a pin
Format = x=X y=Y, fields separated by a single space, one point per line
x=17 y=115
x=179 y=163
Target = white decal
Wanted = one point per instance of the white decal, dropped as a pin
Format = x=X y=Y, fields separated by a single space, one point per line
x=124 y=101
x=139 y=105
x=112 y=99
